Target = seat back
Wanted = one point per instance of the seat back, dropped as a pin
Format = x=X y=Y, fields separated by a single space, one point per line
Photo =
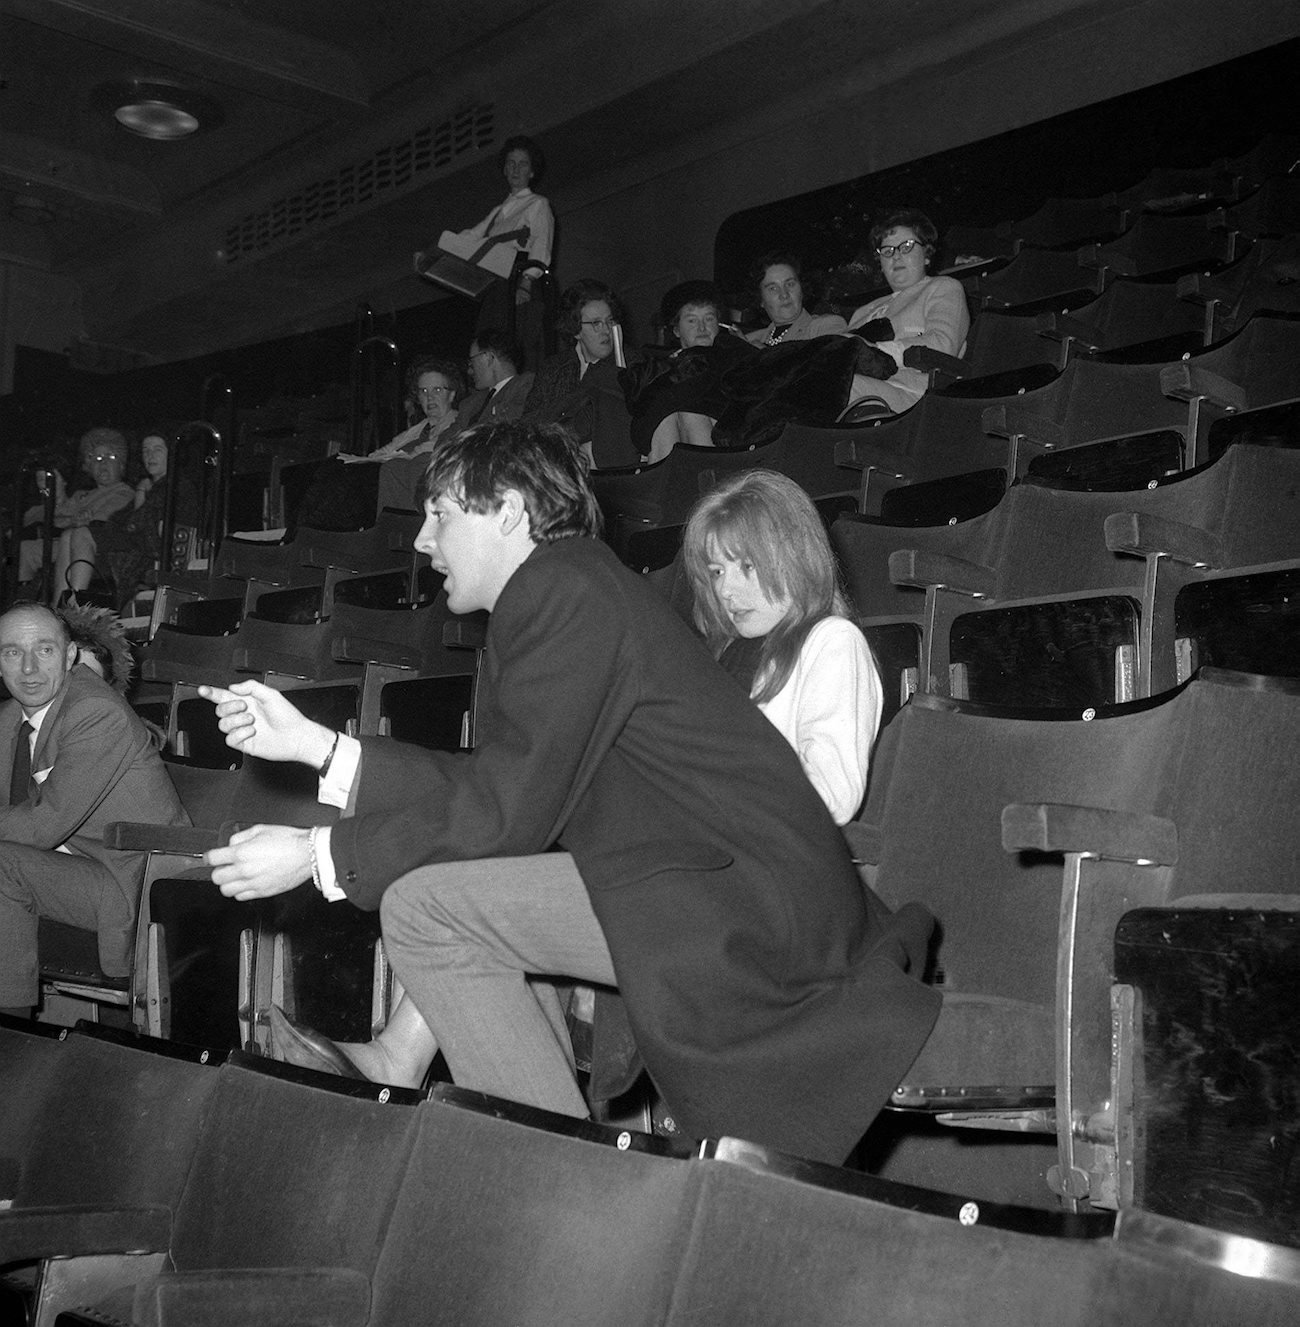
x=518 y=1216
x=117 y=1122
x=293 y=1170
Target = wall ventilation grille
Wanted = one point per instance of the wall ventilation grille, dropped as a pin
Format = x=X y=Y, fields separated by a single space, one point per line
x=385 y=172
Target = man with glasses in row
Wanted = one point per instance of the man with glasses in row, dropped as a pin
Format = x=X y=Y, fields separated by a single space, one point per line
x=501 y=390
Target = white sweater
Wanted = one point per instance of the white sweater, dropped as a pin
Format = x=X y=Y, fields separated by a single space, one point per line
x=829 y=711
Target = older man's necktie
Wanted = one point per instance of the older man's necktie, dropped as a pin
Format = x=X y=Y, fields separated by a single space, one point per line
x=20 y=781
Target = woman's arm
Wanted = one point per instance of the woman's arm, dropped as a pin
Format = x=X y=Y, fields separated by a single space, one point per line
x=829 y=711
x=944 y=317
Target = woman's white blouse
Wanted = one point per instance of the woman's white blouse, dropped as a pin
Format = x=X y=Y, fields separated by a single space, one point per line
x=829 y=711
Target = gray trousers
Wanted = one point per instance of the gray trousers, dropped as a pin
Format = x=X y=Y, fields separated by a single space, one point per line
x=466 y=937
x=38 y=882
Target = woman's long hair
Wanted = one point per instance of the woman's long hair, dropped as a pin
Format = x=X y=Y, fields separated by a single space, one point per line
x=765 y=519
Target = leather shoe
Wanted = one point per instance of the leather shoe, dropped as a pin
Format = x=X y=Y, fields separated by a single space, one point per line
x=297 y=1044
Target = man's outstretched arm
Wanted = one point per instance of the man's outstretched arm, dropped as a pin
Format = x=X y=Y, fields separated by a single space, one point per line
x=260 y=721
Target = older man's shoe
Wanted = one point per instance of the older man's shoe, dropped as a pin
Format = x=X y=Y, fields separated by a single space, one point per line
x=300 y=1045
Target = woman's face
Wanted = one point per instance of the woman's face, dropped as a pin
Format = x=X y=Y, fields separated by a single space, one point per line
x=518 y=169
x=901 y=269
x=153 y=452
x=106 y=466
x=739 y=594
x=596 y=331
x=433 y=395
x=782 y=293
x=696 y=325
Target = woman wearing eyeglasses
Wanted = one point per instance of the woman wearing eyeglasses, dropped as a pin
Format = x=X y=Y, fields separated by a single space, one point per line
x=579 y=386
x=434 y=387
x=920 y=309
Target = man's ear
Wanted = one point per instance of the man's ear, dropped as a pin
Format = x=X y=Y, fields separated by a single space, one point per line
x=514 y=511
x=71 y=654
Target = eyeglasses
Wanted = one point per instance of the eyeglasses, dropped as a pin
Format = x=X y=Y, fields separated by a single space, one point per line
x=432 y=391
x=100 y=457
x=600 y=324
x=478 y=354
x=889 y=250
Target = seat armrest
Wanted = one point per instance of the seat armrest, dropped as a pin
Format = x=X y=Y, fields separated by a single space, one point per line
x=1116 y=836
x=861 y=454
x=919 y=567
x=362 y=649
x=180 y=840
x=929 y=360
x=1008 y=421
x=1190 y=382
x=28 y=1233
x=1057 y=326
x=326 y=1297
x=1144 y=534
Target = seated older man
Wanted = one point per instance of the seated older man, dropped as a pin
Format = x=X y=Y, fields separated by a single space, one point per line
x=74 y=757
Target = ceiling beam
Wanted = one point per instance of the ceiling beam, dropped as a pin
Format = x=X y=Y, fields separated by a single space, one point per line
x=32 y=161
x=209 y=42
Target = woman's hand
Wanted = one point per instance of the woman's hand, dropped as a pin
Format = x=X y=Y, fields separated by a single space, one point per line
x=261 y=722
x=261 y=862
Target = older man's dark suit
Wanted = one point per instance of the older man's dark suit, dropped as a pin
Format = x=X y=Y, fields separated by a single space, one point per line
x=93 y=764
x=764 y=999
x=491 y=407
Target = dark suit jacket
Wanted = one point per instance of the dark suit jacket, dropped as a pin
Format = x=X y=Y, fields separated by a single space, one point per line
x=508 y=403
x=102 y=767
x=764 y=1000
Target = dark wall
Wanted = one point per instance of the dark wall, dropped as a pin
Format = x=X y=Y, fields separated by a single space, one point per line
x=1189 y=121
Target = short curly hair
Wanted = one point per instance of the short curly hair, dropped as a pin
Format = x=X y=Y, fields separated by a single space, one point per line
x=449 y=369
x=584 y=291
x=522 y=143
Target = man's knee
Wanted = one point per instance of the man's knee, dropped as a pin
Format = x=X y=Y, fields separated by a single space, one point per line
x=411 y=906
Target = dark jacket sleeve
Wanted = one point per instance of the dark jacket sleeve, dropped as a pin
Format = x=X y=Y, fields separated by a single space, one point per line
x=551 y=714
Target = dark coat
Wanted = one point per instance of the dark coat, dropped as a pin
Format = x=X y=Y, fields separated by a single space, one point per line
x=764 y=999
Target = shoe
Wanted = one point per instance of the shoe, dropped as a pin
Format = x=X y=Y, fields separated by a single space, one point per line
x=297 y=1044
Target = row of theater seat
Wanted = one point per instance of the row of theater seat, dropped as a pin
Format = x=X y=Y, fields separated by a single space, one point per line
x=144 y=1186
x=1063 y=222
x=1081 y=599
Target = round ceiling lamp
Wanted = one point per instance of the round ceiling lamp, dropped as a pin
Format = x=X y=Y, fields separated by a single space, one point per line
x=160 y=111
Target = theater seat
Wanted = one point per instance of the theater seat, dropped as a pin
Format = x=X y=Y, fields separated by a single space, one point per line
x=1131 y=799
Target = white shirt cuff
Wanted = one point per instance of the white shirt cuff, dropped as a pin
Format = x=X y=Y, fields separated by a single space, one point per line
x=334 y=790
x=336 y=787
x=329 y=886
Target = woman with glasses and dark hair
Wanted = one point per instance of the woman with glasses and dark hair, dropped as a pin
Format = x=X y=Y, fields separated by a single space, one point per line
x=434 y=387
x=579 y=385
x=920 y=309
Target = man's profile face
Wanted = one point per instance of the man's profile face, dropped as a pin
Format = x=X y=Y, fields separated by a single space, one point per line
x=35 y=655
x=466 y=547
x=482 y=365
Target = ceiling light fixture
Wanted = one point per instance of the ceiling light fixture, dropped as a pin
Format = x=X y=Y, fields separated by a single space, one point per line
x=160 y=111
